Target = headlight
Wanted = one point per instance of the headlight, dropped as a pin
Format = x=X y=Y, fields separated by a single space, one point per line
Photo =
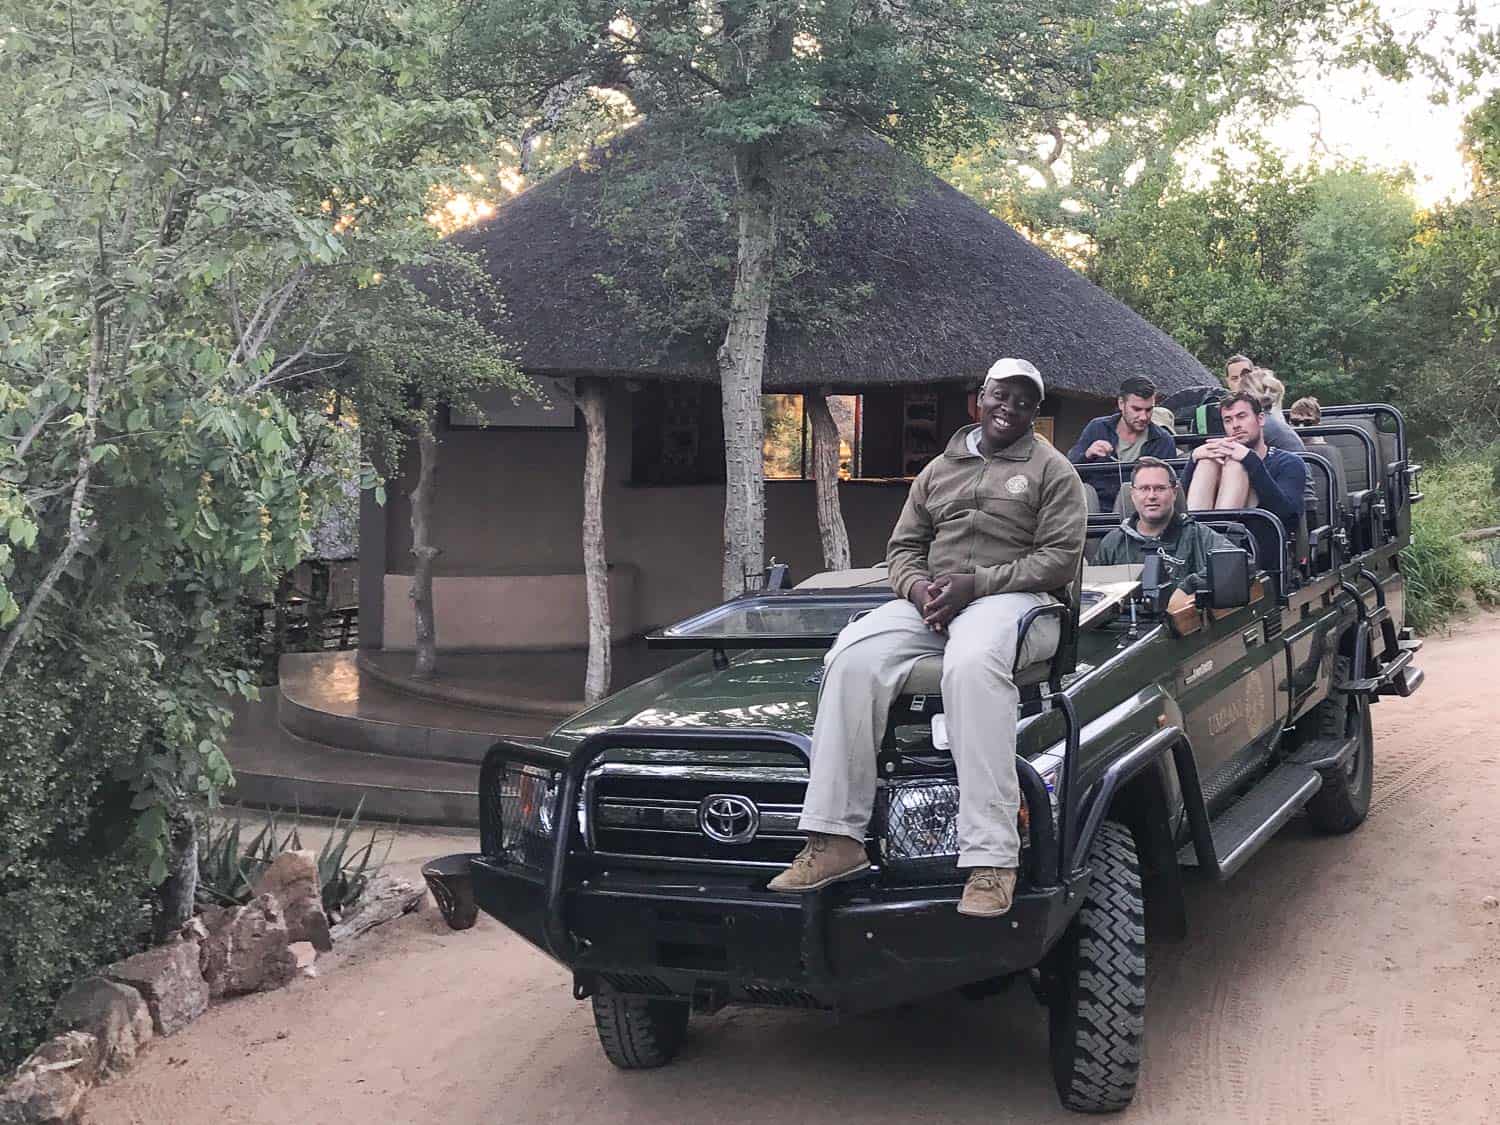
x=916 y=824
x=528 y=813
x=920 y=821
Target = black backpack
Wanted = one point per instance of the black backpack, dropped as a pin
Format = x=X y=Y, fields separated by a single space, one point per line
x=1196 y=410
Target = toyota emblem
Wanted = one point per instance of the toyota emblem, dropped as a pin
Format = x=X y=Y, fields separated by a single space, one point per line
x=728 y=818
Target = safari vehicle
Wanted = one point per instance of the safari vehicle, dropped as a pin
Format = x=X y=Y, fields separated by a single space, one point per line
x=634 y=843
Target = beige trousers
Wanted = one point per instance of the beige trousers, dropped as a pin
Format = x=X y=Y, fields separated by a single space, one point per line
x=863 y=672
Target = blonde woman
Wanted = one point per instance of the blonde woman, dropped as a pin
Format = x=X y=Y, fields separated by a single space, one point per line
x=1275 y=392
x=1263 y=384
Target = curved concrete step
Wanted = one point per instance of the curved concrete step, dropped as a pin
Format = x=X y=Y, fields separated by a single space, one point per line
x=325 y=698
x=277 y=770
x=327 y=781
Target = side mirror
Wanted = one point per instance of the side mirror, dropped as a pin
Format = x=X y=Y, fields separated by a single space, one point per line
x=1228 y=578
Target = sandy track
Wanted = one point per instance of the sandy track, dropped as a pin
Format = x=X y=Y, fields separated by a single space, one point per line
x=1338 y=980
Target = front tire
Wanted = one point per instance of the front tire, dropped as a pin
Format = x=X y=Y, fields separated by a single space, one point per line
x=1343 y=802
x=1098 y=990
x=638 y=1032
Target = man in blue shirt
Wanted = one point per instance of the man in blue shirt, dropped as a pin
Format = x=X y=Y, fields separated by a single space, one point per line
x=1122 y=438
x=1238 y=470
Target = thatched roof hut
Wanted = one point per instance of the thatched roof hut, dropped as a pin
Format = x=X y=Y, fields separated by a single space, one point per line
x=929 y=285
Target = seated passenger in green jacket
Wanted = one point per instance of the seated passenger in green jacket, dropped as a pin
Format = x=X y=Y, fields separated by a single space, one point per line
x=1158 y=528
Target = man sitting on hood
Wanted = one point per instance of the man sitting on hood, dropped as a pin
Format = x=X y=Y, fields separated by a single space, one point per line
x=1158 y=528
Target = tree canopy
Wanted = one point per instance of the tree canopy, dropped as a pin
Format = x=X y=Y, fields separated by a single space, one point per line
x=206 y=215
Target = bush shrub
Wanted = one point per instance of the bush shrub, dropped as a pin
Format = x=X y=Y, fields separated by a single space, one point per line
x=1441 y=570
x=74 y=716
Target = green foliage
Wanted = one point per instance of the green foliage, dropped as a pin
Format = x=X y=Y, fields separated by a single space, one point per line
x=68 y=919
x=1440 y=569
x=1451 y=281
x=344 y=873
x=765 y=84
x=228 y=864
x=205 y=213
x=73 y=723
x=210 y=215
x=1290 y=267
x=1330 y=277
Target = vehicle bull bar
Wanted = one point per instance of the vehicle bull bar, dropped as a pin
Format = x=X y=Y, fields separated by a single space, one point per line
x=1048 y=863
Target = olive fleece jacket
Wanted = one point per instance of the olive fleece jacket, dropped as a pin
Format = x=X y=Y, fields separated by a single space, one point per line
x=1015 y=520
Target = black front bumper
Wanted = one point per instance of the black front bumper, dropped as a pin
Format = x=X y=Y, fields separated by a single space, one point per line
x=720 y=939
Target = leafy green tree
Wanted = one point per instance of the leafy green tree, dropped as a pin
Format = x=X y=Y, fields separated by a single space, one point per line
x=1451 y=282
x=757 y=85
x=1292 y=267
x=205 y=211
x=754 y=88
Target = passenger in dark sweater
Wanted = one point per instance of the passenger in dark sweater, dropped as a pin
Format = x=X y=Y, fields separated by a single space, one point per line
x=1240 y=471
x=1119 y=439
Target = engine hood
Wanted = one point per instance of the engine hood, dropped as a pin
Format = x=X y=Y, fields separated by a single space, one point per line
x=762 y=689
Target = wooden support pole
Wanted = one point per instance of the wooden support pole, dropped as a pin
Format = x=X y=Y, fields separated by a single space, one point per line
x=423 y=552
x=592 y=401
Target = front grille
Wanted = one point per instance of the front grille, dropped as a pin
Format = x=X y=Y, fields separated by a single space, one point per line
x=651 y=811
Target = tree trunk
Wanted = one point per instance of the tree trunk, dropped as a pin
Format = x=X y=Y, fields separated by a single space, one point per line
x=592 y=398
x=177 y=893
x=825 y=440
x=742 y=361
x=755 y=38
x=423 y=552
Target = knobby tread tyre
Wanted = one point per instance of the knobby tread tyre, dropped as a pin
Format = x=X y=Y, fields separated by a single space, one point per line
x=1099 y=996
x=1343 y=802
x=638 y=1033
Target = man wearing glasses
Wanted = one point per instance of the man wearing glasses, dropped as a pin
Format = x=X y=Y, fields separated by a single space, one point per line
x=992 y=528
x=1157 y=528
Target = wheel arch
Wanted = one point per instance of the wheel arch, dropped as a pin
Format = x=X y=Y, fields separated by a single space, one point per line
x=1143 y=804
x=1140 y=790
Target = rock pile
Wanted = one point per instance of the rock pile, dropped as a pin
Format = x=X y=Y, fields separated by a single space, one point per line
x=105 y=1020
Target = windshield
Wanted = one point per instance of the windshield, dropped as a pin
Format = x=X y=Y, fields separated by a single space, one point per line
x=784 y=617
x=812 y=618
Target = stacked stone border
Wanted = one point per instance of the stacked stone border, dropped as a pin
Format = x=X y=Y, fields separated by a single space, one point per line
x=105 y=1020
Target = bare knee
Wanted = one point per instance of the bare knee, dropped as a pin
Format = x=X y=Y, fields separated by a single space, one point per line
x=1204 y=487
x=1234 y=486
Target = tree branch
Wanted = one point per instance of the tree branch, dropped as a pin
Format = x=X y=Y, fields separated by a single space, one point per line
x=675 y=63
x=264 y=319
x=78 y=533
x=36 y=428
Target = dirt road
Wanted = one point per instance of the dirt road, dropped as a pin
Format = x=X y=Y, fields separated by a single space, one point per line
x=1350 y=980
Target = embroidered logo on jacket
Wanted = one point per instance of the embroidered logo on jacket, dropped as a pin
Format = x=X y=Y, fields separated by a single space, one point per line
x=1016 y=485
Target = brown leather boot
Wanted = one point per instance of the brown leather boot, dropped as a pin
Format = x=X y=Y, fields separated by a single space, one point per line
x=988 y=892
x=826 y=859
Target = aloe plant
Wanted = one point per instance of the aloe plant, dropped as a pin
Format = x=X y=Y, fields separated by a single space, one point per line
x=228 y=863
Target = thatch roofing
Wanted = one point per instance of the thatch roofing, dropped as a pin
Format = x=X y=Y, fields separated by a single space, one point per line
x=943 y=287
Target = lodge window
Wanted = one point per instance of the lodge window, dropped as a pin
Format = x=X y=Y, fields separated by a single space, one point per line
x=885 y=433
x=788 y=445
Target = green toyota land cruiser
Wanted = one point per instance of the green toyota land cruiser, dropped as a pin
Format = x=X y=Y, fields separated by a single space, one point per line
x=634 y=843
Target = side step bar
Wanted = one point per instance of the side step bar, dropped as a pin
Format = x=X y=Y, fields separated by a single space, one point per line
x=1222 y=846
